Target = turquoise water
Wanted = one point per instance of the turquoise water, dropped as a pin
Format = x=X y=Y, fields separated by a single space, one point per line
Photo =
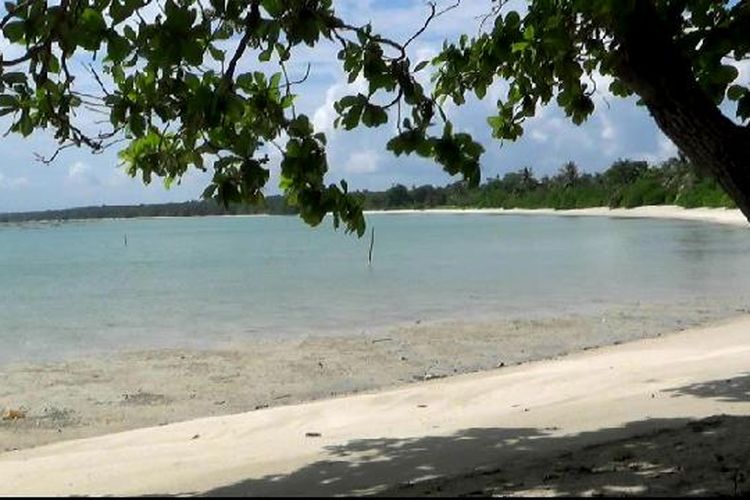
x=75 y=287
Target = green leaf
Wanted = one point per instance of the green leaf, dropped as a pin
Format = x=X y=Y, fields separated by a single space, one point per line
x=217 y=54
x=374 y=116
x=118 y=48
x=419 y=67
x=735 y=92
x=512 y=19
x=220 y=5
x=14 y=77
x=14 y=31
x=725 y=74
x=275 y=80
x=265 y=55
x=129 y=33
x=192 y=52
x=25 y=126
x=287 y=101
x=91 y=29
x=275 y=8
x=137 y=124
x=92 y=21
x=8 y=101
x=496 y=122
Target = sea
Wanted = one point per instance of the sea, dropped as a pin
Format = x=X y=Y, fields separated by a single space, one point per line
x=84 y=287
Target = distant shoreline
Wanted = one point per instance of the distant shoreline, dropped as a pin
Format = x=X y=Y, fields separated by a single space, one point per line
x=726 y=216
x=139 y=217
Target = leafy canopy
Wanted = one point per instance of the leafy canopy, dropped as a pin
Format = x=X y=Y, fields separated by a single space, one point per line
x=174 y=98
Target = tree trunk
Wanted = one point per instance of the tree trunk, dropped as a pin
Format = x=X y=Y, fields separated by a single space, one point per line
x=650 y=63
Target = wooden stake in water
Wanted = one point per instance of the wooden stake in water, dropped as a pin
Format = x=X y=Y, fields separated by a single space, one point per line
x=372 y=244
x=125 y=239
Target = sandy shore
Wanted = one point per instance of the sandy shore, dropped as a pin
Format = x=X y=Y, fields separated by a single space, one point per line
x=114 y=392
x=728 y=216
x=489 y=430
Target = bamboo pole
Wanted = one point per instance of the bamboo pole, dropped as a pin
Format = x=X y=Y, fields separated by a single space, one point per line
x=372 y=244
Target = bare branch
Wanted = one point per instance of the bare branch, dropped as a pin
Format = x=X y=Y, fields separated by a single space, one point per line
x=494 y=11
x=434 y=13
x=50 y=159
x=98 y=80
x=397 y=100
x=304 y=78
x=28 y=55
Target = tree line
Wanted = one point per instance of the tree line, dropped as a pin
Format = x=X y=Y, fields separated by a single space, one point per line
x=626 y=183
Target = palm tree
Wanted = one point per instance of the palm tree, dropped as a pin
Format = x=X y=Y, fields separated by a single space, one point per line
x=527 y=179
x=569 y=174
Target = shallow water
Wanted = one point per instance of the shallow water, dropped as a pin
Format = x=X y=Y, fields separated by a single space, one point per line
x=73 y=288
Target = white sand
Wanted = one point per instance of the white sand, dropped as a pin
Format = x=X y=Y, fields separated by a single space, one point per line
x=372 y=441
x=717 y=215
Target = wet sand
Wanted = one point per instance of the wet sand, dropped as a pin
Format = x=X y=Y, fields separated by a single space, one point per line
x=115 y=392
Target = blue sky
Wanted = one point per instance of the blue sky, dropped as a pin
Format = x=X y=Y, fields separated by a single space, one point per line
x=618 y=129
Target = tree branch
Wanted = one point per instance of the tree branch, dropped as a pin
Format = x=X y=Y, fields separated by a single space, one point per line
x=250 y=22
x=433 y=14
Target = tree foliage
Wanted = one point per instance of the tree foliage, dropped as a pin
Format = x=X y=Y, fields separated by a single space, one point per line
x=172 y=87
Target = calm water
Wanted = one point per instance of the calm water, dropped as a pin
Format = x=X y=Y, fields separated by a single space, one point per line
x=75 y=287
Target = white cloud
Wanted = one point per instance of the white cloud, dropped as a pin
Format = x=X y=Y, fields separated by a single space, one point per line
x=80 y=173
x=78 y=169
x=602 y=95
x=664 y=149
x=608 y=134
x=362 y=162
x=608 y=130
x=539 y=136
x=13 y=182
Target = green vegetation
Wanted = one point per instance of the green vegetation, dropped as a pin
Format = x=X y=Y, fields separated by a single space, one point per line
x=271 y=205
x=194 y=84
x=625 y=184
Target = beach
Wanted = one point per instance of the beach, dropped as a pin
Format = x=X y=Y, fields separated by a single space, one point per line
x=458 y=375
x=113 y=392
x=479 y=427
x=728 y=216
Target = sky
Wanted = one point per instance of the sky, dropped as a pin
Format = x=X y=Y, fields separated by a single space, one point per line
x=618 y=129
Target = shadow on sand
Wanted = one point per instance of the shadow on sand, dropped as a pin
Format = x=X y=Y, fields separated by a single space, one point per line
x=735 y=389
x=649 y=457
